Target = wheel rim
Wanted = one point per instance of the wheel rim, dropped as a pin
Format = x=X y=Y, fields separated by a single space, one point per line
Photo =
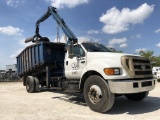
x=95 y=94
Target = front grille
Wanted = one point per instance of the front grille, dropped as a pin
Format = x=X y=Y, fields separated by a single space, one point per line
x=137 y=67
x=140 y=67
x=140 y=61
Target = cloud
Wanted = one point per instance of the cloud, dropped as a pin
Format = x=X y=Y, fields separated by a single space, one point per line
x=157 y=31
x=87 y=39
x=140 y=49
x=61 y=39
x=80 y=39
x=121 y=42
x=117 y=41
x=83 y=39
x=123 y=45
x=67 y=3
x=12 y=58
x=10 y=30
x=14 y=3
x=15 y=54
x=117 y=21
x=23 y=44
x=158 y=45
x=93 y=32
x=139 y=36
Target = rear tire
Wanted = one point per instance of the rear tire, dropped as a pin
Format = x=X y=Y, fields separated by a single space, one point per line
x=30 y=84
x=137 y=96
x=97 y=94
x=36 y=84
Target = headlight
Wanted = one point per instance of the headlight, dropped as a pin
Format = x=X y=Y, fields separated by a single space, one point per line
x=112 y=71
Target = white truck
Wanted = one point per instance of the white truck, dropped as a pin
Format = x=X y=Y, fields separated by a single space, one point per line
x=90 y=68
x=156 y=72
x=158 y=76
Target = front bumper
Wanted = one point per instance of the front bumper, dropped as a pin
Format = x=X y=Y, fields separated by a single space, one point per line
x=131 y=86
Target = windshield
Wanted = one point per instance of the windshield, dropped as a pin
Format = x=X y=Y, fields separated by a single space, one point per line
x=95 y=47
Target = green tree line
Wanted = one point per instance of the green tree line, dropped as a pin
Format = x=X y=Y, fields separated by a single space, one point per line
x=155 y=60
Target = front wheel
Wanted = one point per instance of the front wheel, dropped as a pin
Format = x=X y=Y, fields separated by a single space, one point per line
x=137 y=96
x=97 y=94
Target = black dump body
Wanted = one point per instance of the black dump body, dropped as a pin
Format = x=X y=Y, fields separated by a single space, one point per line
x=35 y=58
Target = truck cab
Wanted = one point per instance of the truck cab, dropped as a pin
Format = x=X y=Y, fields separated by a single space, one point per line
x=130 y=72
x=93 y=65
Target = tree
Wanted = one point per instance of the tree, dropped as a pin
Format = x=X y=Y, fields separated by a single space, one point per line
x=155 y=60
x=147 y=54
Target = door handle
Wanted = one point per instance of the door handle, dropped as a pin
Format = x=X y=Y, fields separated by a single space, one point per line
x=66 y=62
x=82 y=61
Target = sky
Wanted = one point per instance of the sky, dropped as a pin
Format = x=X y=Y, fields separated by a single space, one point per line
x=127 y=25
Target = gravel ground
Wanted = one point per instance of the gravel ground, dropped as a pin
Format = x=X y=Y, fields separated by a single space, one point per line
x=17 y=104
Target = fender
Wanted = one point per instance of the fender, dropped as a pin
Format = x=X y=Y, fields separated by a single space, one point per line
x=99 y=66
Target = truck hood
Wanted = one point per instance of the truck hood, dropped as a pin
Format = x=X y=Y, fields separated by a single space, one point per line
x=106 y=58
x=112 y=55
x=99 y=60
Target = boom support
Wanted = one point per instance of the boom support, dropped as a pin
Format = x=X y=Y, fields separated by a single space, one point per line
x=52 y=11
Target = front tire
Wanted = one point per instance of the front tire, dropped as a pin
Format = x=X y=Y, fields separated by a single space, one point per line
x=137 y=96
x=97 y=94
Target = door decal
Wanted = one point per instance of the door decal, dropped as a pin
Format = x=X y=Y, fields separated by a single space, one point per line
x=74 y=66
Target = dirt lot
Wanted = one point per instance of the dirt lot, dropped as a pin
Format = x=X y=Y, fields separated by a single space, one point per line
x=17 y=104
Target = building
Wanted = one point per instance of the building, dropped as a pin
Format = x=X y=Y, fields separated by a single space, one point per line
x=9 y=74
x=11 y=68
x=2 y=75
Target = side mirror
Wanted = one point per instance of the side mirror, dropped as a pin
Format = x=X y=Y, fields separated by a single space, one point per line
x=70 y=51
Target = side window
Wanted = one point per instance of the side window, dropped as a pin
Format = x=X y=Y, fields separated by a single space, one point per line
x=78 y=50
x=82 y=53
x=75 y=48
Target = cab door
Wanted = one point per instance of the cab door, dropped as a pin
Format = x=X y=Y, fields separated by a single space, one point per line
x=75 y=66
